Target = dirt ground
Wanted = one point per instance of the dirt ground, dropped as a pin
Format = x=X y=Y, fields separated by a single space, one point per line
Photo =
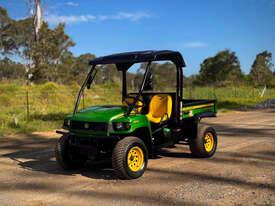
x=242 y=172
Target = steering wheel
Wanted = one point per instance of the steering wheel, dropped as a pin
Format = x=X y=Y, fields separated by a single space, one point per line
x=140 y=103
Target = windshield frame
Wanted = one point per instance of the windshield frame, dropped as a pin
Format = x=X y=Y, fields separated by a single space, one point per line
x=83 y=87
x=124 y=94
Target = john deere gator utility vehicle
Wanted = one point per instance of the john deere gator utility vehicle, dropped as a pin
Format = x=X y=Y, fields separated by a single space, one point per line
x=130 y=133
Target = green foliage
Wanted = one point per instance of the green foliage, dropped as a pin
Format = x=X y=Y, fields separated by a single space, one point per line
x=107 y=74
x=261 y=69
x=11 y=70
x=51 y=60
x=15 y=35
x=241 y=97
x=48 y=90
x=48 y=51
x=79 y=68
x=7 y=33
x=45 y=53
x=163 y=76
x=220 y=70
x=50 y=102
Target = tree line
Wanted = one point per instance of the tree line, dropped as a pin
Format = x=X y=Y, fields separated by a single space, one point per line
x=49 y=59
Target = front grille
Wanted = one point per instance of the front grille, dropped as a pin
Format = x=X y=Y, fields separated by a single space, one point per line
x=94 y=126
x=84 y=141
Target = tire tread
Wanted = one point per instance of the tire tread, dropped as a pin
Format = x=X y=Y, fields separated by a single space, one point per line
x=118 y=156
x=197 y=145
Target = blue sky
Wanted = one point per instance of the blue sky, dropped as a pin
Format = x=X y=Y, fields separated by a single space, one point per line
x=197 y=28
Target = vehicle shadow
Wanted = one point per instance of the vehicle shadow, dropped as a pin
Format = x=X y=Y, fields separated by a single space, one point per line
x=170 y=153
x=36 y=153
x=246 y=131
x=91 y=170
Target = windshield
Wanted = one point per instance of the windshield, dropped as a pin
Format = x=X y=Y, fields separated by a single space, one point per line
x=106 y=83
x=105 y=89
x=163 y=77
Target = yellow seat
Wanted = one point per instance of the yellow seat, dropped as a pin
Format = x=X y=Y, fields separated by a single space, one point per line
x=160 y=108
x=130 y=100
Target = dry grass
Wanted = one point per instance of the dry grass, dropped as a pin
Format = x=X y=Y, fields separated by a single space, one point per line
x=49 y=103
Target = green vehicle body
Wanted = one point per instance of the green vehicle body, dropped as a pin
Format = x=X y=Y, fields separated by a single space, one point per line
x=109 y=115
x=108 y=131
x=115 y=114
x=139 y=123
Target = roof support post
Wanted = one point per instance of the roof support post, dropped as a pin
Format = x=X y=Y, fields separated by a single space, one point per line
x=124 y=84
x=145 y=79
x=181 y=82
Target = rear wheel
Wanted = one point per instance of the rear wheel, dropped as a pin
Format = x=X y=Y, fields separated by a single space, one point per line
x=66 y=157
x=204 y=144
x=130 y=157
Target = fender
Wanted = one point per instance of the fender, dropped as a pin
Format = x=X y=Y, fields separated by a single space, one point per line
x=198 y=117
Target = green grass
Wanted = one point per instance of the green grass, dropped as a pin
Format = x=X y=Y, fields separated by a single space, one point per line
x=49 y=103
x=231 y=98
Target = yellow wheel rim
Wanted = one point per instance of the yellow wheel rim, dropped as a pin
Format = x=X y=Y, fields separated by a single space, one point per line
x=135 y=159
x=208 y=142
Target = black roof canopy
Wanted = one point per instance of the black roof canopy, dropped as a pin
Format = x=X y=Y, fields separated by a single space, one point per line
x=125 y=60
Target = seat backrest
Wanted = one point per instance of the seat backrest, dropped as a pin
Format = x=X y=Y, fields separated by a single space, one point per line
x=131 y=99
x=160 y=106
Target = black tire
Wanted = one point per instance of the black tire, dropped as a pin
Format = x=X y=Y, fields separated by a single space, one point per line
x=65 y=157
x=198 y=143
x=120 y=160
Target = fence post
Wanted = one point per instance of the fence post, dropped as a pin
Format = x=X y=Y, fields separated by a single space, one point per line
x=214 y=92
x=28 y=105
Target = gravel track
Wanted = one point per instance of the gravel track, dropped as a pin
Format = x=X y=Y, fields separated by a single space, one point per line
x=242 y=172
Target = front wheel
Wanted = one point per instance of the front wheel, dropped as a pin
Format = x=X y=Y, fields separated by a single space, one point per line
x=65 y=156
x=204 y=144
x=130 y=157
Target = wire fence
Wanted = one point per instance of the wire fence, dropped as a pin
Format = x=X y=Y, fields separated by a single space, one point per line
x=45 y=104
x=52 y=102
x=222 y=93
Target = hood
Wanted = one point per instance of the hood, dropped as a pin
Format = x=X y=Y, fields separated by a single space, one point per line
x=99 y=113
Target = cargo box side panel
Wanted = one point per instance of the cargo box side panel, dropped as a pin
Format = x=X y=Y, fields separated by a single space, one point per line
x=205 y=107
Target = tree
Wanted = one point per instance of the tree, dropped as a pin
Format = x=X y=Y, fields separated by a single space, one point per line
x=47 y=51
x=261 y=69
x=218 y=69
x=81 y=66
x=7 y=33
x=11 y=70
x=43 y=54
x=164 y=76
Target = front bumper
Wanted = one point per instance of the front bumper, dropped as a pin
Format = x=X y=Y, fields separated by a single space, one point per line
x=90 y=145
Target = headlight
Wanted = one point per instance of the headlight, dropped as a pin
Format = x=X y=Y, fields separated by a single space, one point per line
x=66 y=123
x=119 y=126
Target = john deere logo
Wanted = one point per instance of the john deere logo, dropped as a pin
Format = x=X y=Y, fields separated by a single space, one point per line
x=86 y=125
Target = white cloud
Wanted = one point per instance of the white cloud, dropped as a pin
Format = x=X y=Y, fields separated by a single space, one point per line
x=70 y=19
x=70 y=3
x=55 y=19
x=130 y=16
x=195 y=44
